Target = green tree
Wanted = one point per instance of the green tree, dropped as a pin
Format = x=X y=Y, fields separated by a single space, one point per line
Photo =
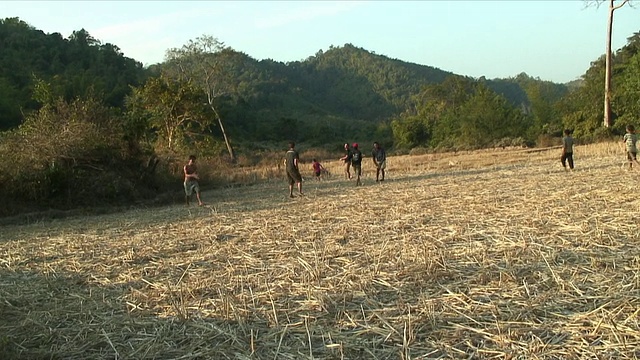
x=173 y=108
x=459 y=112
x=72 y=67
x=542 y=99
x=434 y=118
x=9 y=108
x=613 y=6
x=410 y=132
x=207 y=64
x=579 y=109
x=626 y=97
x=487 y=117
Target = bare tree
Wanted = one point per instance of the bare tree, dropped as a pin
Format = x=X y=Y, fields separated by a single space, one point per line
x=607 y=73
x=204 y=62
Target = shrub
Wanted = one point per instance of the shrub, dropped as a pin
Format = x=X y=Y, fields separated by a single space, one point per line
x=546 y=140
x=603 y=134
x=419 y=151
x=69 y=154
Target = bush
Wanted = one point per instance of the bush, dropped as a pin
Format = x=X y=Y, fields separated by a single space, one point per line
x=71 y=154
x=603 y=134
x=511 y=142
x=398 y=152
x=546 y=140
x=419 y=151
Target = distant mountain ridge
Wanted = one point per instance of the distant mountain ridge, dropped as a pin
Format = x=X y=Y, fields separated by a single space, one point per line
x=347 y=84
x=346 y=88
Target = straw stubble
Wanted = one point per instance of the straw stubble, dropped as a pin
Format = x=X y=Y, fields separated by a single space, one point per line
x=493 y=254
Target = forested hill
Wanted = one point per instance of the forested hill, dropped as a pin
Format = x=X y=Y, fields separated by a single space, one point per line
x=345 y=89
x=360 y=82
x=71 y=66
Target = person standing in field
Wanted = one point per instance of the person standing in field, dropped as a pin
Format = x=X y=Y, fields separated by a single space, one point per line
x=347 y=161
x=567 y=150
x=630 y=139
x=191 y=180
x=317 y=169
x=291 y=160
x=356 y=163
x=380 y=160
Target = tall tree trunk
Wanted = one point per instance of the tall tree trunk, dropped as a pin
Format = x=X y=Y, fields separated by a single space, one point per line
x=169 y=137
x=607 y=70
x=607 y=65
x=224 y=134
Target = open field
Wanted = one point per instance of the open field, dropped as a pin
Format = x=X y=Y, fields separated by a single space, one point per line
x=490 y=254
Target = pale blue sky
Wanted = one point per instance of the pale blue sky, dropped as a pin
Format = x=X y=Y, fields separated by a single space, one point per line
x=553 y=40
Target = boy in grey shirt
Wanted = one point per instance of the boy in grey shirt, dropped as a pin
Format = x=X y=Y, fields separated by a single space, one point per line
x=567 y=150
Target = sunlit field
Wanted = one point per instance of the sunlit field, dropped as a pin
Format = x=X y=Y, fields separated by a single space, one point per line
x=473 y=255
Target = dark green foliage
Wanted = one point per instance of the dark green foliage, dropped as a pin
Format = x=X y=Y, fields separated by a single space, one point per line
x=626 y=92
x=72 y=66
x=459 y=113
x=344 y=93
x=411 y=132
x=9 y=105
x=582 y=110
x=173 y=110
x=354 y=82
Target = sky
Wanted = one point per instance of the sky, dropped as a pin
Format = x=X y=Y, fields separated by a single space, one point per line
x=555 y=40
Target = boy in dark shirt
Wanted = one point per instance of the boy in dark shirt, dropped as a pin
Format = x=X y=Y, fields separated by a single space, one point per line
x=380 y=160
x=291 y=160
x=567 y=150
x=347 y=161
x=356 y=163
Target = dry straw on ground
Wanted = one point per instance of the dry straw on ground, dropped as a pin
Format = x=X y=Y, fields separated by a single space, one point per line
x=494 y=254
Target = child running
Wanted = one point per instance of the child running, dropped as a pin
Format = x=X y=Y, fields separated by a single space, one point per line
x=317 y=169
x=630 y=139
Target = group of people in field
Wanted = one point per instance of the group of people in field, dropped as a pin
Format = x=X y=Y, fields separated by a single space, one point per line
x=630 y=139
x=352 y=161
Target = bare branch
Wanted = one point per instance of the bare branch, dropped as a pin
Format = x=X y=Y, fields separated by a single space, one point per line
x=598 y=3
x=621 y=5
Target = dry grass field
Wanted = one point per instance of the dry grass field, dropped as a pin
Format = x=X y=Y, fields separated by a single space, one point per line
x=477 y=255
